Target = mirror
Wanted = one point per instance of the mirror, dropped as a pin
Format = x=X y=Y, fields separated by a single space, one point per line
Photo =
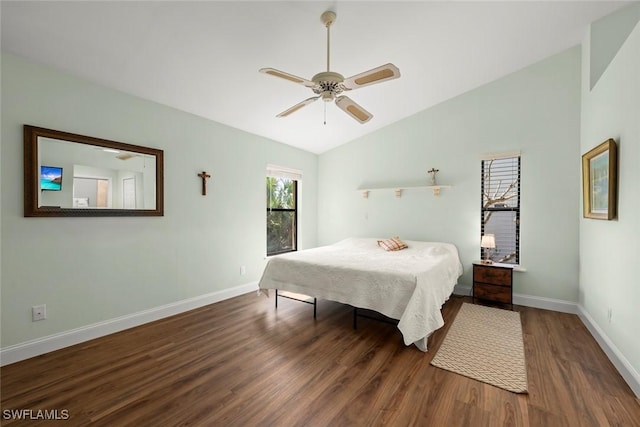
x=74 y=175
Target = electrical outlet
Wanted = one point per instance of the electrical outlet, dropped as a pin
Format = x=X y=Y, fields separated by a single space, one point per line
x=243 y=270
x=609 y=314
x=38 y=312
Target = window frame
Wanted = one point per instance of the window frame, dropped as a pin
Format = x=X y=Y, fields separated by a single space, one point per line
x=295 y=219
x=281 y=172
x=516 y=209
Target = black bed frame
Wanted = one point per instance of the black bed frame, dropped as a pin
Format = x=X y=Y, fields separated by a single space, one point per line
x=314 y=303
x=356 y=311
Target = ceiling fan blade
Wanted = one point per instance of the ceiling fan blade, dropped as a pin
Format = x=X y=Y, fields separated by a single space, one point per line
x=287 y=76
x=298 y=106
x=353 y=109
x=377 y=75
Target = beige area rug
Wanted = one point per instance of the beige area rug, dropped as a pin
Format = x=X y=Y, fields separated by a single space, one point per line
x=485 y=344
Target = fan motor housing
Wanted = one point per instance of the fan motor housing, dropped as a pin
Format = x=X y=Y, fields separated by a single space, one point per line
x=328 y=84
x=328 y=76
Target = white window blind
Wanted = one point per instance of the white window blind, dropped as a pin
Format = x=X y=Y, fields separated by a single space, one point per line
x=275 y=171
x=500 y=209
x=500 y=155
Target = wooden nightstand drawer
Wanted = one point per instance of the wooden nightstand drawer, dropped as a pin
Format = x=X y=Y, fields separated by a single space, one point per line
x=493 y=292
x=493 y=282
x=493 y=275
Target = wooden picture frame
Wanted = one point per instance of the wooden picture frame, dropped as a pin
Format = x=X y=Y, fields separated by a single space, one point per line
x=599 y=181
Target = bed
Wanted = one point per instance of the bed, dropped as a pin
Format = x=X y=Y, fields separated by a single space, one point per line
x=408 y=285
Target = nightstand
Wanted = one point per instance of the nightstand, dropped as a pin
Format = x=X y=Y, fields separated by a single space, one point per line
x=493 y=282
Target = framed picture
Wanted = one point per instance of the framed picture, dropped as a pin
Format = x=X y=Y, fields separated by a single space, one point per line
x=599 y=181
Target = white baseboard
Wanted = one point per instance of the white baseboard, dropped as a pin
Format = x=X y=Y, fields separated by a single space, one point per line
x=22 y=351
x=620 y=362
x=36 y=347
x=629 y=374
x=462 y=290
x=546 y=303
x=529 y=301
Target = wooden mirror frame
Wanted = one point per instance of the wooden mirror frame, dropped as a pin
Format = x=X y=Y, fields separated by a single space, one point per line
x=32 y=176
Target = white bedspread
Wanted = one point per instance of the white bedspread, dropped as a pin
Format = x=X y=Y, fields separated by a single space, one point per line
x=410 y=285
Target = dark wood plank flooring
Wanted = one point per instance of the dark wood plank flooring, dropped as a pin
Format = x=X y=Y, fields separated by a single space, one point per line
x=241 y=362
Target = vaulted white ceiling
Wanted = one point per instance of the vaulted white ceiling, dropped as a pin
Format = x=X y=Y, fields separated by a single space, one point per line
x=203 y=57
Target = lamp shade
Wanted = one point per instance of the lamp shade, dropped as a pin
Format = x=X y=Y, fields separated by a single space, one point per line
x=488 y=241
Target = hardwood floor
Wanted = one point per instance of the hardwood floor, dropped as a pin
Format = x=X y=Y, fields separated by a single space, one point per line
x=241 y=362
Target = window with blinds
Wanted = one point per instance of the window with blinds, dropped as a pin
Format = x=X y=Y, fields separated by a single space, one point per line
x=500 y=211
x=282 y=209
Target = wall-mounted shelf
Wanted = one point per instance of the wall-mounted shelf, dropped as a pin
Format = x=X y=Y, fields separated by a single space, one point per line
x=398 y=190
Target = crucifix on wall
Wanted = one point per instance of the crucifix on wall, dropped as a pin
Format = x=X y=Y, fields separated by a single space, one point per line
x=204 y=177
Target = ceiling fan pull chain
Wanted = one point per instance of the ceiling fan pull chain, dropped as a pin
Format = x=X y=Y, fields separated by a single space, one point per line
x=325 y=113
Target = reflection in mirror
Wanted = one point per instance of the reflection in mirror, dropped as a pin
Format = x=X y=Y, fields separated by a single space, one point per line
x=75 y=175
x=88 y=176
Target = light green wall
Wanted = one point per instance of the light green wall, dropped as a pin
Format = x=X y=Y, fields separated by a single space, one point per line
x=92 y=269
x=606 y=37
x=610 y=250
x=535 y=110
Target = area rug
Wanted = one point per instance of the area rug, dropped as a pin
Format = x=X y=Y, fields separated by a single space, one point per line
x=485 y=344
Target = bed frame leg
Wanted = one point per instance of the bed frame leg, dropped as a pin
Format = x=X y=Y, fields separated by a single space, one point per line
x=314 y=303
x=355 y=317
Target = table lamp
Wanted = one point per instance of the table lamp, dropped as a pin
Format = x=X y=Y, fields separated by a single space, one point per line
x=488 y=242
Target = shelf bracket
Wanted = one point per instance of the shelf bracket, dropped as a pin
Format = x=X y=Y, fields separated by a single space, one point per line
x=436 y=189
x=398 y=190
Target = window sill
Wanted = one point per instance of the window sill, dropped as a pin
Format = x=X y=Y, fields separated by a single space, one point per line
x=280 y=253
x=515 y=267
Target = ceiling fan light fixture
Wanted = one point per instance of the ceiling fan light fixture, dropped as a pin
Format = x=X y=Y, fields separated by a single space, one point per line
x=328 y=96
x=329 y=84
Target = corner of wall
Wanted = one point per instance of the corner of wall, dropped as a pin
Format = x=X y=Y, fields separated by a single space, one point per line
x=621 y=363
x=606 y=36
x=609 y=106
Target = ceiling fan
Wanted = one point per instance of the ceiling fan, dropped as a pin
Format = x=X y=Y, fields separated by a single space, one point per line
x=329 y=85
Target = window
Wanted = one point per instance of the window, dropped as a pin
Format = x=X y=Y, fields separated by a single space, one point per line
x=282 y=209
x=500 y=210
